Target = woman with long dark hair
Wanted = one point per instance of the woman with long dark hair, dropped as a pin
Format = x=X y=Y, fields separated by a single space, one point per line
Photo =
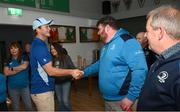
x=61 y=59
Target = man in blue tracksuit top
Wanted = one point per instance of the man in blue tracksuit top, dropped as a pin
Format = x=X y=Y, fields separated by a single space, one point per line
x=122 y=66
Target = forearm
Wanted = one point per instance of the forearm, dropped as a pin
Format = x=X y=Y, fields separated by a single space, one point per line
x=9 y=71
x=91 y=69
x=52 y=71
x=60 y=72
x=21 y=67
x=137 y=82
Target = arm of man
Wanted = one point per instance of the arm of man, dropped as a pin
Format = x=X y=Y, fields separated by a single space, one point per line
x=52 y=71
x=91 y=69
x=44 y=59
x=137 y=63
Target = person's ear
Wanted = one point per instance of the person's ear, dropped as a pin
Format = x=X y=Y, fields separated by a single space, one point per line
x=160 y=32
x=107 y=28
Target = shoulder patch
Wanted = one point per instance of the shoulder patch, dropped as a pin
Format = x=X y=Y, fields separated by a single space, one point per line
x=126 y=37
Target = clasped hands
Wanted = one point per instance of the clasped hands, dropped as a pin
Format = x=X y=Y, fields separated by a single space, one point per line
x=77 y=74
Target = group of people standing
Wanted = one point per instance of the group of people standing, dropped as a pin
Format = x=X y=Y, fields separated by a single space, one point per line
x=122 y=68
x=18 y=72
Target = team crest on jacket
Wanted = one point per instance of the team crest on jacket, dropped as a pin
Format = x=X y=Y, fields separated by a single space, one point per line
x=162 y=76
x=113 y=46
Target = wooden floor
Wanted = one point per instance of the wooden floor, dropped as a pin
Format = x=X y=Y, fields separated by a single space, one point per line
x=80 y=98
x=82 y=101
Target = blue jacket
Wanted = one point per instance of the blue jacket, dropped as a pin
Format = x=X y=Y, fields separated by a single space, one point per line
x=2 y=88
x=122 y=67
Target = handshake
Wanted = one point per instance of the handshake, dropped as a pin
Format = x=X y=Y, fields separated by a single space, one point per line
x=77 y=74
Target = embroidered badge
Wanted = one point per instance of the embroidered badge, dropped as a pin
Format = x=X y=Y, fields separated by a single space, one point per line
x=113 y=46
x=44 y=60
x=138 y=52
x=162 y=76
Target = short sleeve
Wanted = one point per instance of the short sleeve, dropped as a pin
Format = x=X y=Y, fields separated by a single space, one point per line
x=42 y=55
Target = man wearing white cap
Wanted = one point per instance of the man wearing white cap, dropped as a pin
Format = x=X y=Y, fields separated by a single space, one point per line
x=42 y=84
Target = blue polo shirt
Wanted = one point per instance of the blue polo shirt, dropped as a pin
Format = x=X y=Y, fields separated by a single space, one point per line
x=39 y=55
x=21 y=79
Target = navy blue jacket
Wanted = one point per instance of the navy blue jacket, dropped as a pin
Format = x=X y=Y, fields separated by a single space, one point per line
x=161 y=90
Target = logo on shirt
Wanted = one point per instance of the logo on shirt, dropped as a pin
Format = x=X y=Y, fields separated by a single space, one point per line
x=44 y=60
x=138 y=52
x=113 y=46
x=162 y=76
x=10 y=63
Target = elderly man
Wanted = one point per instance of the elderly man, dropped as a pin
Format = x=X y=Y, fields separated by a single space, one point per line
x=161 y=90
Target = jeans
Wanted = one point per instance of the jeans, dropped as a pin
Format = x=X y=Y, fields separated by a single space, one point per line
x=63 y=94
x=16 y=94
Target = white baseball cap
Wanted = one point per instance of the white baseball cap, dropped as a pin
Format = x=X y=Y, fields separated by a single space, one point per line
x=41 y=21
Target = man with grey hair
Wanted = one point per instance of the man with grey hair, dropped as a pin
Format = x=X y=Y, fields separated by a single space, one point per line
x=161 y=90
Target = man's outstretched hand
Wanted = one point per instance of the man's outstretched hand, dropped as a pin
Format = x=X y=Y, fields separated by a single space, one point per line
x=77 y=74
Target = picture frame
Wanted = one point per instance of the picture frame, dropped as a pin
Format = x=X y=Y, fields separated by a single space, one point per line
x=62 y=34
x=88 y=34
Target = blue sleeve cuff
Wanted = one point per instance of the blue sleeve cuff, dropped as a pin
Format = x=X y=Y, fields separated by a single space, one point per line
x=85 y=73
x=130 y=97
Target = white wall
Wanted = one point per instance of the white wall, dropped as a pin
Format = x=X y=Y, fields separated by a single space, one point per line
x=74 y=49
x=86 y=8
x=80 y=10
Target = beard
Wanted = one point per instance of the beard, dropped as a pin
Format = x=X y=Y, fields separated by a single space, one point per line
x=103 y=37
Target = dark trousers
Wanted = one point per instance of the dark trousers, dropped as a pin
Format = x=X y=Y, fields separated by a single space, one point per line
x=3 y=106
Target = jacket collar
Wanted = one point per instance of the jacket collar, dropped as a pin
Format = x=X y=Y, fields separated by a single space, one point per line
x=171 y=51
x=118 y=34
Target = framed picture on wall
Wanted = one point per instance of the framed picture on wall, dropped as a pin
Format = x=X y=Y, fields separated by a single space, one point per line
x=89 y=34
x=62 y=34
